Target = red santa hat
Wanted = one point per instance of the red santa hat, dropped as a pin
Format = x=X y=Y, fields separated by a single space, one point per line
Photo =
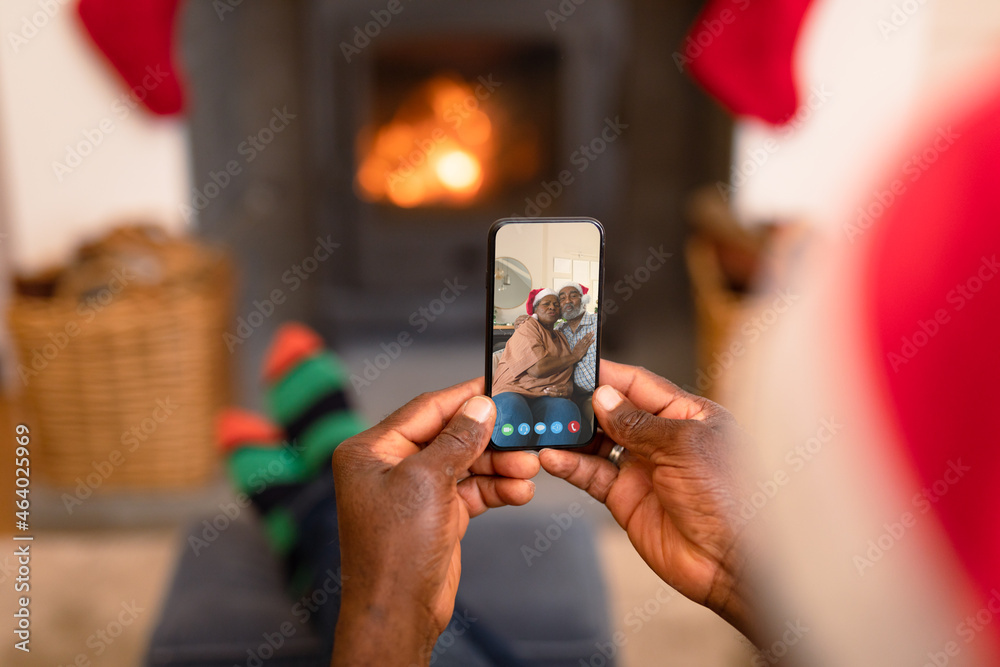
x=580 y=288
x=536 y=295
x=897 y=420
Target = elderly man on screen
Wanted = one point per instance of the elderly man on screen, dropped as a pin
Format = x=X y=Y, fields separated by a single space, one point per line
x=573 y=300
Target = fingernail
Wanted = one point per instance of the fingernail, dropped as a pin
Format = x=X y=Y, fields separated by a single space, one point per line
x=478 y=408
x=608 y=397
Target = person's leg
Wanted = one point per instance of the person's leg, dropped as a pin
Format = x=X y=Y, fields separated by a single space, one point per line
x=512 y=413
x=284 y=467
x=550 y=410
x=275 y=463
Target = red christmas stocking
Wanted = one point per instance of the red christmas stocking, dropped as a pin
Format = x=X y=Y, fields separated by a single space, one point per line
x=137 y=37
x=741 y=51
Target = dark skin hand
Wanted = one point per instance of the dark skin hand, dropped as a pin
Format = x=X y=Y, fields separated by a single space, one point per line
x=676 y=494
x=548 y=314
x=406 y=490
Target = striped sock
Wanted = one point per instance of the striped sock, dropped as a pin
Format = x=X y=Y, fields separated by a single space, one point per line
x=305 y=394
x=264 y=469
x=284 y=467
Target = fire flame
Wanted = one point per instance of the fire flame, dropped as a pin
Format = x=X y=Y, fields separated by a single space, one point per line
x=435 y=150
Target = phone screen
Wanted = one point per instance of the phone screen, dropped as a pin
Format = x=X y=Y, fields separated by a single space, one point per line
x=543 y=336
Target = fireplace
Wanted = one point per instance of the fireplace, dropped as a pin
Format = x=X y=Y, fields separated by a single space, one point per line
x=447 y=132
x=431 y=120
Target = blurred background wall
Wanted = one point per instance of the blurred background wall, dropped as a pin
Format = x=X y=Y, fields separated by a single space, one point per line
x=79 y=156
x=58 y=100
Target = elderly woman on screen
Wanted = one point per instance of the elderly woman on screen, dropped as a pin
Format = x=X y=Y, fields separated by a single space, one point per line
x=534 y=377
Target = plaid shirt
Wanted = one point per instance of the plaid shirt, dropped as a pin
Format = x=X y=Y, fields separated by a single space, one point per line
x=583 y=375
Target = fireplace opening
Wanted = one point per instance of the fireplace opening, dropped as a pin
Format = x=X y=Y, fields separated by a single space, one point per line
x=458 y=114
x=456 y=124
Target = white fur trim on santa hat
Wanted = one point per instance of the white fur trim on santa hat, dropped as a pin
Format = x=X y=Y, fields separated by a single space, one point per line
x=535 y=296
x=541 y=295
x=584 y=297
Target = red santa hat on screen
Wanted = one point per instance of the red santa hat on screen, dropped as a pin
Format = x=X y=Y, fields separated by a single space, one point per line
x=580 y=288
x=536 y=295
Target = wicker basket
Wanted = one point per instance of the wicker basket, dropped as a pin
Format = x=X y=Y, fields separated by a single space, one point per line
x=718 y=310
x=122 y=387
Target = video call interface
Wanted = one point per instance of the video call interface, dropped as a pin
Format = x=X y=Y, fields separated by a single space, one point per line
x=546 y=283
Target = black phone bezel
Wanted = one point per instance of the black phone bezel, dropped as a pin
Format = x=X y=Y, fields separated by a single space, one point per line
x=491 y=258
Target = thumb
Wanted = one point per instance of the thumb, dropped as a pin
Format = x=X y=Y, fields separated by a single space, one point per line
x=635 y=429
x=464 y=438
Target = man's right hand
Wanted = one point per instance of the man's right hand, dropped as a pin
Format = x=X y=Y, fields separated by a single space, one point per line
x=582 y=345
x=675 y=493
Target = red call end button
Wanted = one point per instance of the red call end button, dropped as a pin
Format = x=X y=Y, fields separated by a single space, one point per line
x=574 y=427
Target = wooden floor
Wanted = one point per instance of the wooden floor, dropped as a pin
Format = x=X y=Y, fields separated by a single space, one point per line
x=94 y=596
x=659 y=627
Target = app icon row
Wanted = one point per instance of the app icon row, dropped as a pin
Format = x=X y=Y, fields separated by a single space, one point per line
x=540 y=427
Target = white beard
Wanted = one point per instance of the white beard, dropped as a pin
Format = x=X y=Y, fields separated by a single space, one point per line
x=573 y=314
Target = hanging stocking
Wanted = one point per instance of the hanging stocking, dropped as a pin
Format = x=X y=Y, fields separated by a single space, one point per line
x=137 y=36
x=741 y=52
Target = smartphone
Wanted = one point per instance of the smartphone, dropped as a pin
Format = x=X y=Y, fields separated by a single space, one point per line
x=543 y=330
